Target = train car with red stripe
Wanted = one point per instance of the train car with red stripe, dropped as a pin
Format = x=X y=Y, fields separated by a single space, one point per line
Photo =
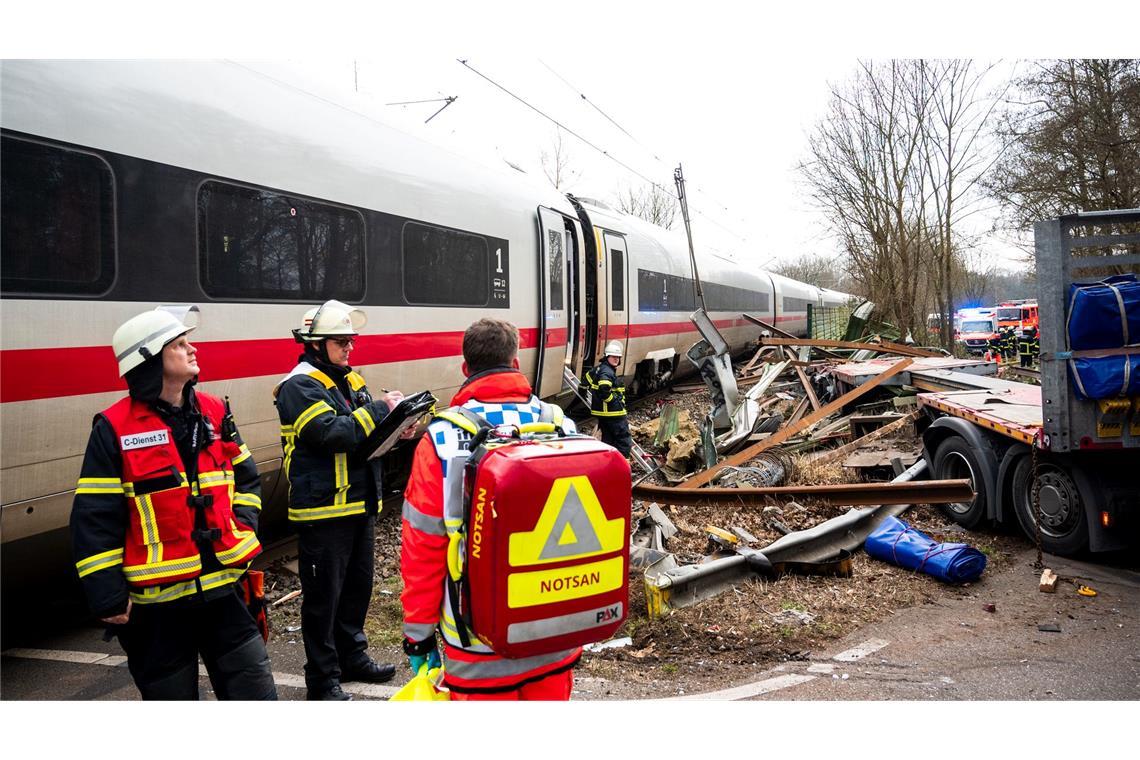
x=130 y=184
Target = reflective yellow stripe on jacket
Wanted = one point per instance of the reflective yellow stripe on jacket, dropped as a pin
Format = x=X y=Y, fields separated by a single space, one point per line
x=97 y=562
x=99 y=486
x=186 y=588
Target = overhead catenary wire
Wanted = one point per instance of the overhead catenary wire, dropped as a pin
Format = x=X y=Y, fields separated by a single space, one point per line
x=560 y=125
x=722 y=206
x=594 y=147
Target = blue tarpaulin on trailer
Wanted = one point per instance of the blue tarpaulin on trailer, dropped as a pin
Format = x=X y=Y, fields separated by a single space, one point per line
x=1106 y=376
x=1104 y=314
x=896 y=542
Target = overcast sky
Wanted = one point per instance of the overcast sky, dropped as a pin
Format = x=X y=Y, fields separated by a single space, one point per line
x=729 y=90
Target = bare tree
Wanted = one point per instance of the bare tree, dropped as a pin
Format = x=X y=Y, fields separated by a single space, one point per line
x=896 y=166
x=865 y=174
x=651 y=203
x=556 y=163
x=956 y=157
x=1073 y=141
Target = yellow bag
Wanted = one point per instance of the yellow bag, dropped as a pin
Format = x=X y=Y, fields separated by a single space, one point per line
x=424 y=687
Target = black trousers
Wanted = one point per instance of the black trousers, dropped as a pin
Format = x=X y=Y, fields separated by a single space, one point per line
x=336 y=565
x=615 y=432
x=163 y=641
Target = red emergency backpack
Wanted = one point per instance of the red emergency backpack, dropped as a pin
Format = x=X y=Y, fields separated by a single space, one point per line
x=544 y=539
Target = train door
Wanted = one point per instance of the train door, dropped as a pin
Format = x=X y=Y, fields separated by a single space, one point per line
x=577 y=265
x=615 y=281
x=555 y=318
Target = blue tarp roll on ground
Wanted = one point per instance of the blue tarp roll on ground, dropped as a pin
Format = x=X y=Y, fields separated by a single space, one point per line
x=896 y=542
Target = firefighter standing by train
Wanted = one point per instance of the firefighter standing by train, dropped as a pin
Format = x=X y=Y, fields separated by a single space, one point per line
x=516 y=550
x=328 y=418
x=607 y=400
x=164 y=522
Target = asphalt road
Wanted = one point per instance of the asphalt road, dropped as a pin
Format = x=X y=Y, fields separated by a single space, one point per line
x=952 y=650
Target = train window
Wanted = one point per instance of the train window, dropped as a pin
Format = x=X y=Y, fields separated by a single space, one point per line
x=617 y=294
x=557 y=256
x=261 y=244
x=445 y=267
x=729 y=298
x=664 y=292
x=796 y=304
x=57 y=231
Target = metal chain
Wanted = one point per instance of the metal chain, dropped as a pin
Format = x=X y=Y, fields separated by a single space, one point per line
x=1035 y=484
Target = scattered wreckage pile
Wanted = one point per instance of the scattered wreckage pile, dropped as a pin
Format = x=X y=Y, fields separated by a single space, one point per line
x=783 y=435
x=754 y=495
x=754 y=492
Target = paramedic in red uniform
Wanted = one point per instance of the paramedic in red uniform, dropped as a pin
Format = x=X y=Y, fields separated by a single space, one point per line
x=164 y=522
x=497 y=391
x=327 y=418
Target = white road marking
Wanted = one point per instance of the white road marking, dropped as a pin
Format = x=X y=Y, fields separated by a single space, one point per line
x=64 y=655
x=861 y=651
x=821 y=667
x=751 y=689
x=114 y=660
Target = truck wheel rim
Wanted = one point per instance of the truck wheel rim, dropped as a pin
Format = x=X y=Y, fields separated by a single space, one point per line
x=956 y=467
x=1060 y=504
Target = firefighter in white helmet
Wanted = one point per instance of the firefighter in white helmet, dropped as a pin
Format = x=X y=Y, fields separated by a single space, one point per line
x=607 y=399
x=327 y=420
x=164 y=521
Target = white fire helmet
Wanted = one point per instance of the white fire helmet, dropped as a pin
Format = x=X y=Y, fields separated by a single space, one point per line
x=143 y=336
x=613 y=348
x=329 y=320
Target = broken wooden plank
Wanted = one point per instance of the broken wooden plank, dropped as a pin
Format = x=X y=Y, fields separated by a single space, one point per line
x=1048 y=582
x=874 y=435
x=798 y=412
x=803 y=379
x=703 y=477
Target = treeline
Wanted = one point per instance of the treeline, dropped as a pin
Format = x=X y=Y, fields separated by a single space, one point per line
x=913 y=154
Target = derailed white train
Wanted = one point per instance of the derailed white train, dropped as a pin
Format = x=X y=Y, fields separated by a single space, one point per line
x=132 y=184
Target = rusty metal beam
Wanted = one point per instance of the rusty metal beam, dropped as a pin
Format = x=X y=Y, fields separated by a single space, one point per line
x=854 y=494
x=883 y=347
x=788 y=431
x=905 y=350
x=778 y=331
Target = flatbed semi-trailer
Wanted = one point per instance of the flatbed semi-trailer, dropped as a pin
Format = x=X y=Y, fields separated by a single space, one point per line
x=1042 y=454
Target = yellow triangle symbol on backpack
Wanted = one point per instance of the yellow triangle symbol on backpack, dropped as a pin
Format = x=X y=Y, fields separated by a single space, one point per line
x=572 y=525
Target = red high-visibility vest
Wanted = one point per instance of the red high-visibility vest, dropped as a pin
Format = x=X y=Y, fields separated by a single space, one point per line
x=160 y=547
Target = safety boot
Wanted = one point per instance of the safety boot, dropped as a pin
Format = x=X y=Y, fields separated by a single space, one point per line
x=330 y=693
x=368 y=671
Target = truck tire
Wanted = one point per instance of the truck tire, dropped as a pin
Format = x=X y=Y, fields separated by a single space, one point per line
x=956 y=459
x=1064 y=526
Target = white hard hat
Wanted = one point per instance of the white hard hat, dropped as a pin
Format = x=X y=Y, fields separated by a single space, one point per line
x=329 y=320
x=143 y=336
x=613 y=348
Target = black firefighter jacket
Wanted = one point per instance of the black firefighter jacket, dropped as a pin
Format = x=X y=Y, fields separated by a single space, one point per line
x=327 y=432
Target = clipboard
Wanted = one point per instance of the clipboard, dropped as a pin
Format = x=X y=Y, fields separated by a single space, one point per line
x=412 y=411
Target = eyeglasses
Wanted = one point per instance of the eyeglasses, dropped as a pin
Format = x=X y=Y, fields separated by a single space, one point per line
x=344 y=342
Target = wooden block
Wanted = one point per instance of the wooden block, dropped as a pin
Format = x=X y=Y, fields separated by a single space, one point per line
x=1048 y=582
